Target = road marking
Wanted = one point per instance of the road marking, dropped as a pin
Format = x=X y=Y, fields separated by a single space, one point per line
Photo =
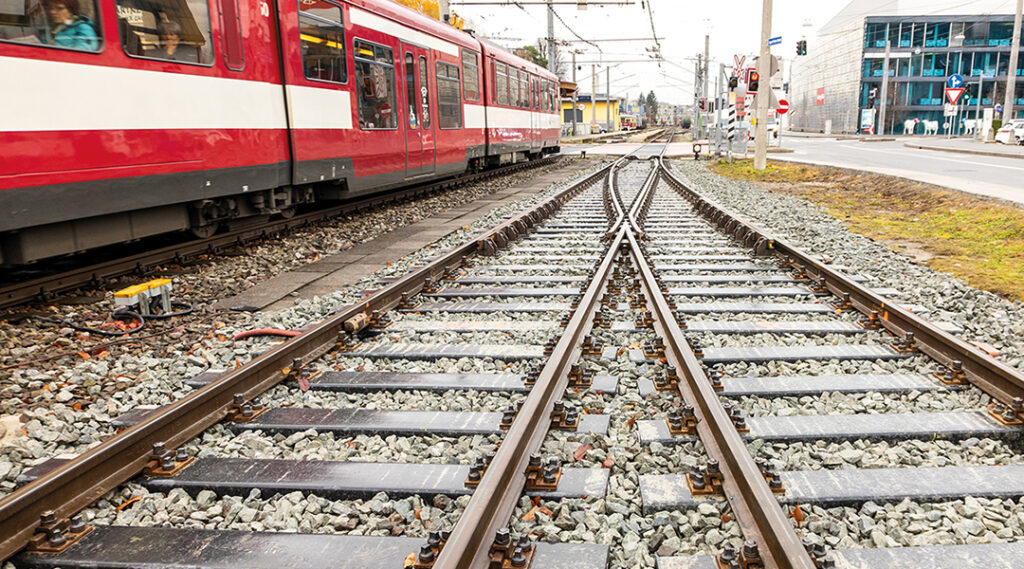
x=940 y=158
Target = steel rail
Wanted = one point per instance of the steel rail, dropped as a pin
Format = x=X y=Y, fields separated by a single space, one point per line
x=1002 y=382
x=753 y=504
x=44 y=287
x=498 y=492
x=78 y=483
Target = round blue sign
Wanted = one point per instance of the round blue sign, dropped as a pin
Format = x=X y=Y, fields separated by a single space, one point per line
x=999 y=108
x=955 y=81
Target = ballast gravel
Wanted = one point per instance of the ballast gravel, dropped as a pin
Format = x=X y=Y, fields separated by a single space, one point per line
x=984 y=316
x=67 y=405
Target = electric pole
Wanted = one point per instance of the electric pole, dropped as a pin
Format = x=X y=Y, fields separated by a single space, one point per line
x=552 y=64
x=593 y=97
x=704 y=89
x=608 y=97
x=1011 y=74
x=575 y=91
x=764 y=86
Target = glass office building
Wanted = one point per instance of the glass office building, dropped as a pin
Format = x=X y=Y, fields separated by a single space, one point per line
x=848 y=58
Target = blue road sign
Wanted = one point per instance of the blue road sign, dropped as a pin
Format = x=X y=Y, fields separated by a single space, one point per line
x=954 y=81
x=999 y=108
x=777 y=40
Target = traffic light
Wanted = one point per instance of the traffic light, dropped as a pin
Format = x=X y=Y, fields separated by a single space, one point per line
x=752 y=80
x=703 y=104
x=872 y=95
x=801 y=47
x=734 y=82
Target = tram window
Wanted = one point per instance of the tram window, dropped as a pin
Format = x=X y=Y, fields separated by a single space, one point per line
x=470 y=75
x=68 y=24
x=322 y=40
x=171 y=30
x=375 y=85
x=501 y=83
x=513 y=86
x=424 y=93
x=231 y=24
x=410 y=90
x=524 y=90
x=449 y=104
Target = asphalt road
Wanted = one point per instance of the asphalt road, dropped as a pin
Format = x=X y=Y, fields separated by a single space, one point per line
x=987 y=175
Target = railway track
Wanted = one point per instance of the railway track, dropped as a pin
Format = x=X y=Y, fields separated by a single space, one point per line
x=622 y=309
x=44 y=288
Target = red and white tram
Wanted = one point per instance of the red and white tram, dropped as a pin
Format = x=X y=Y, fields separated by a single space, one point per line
x=121 y=119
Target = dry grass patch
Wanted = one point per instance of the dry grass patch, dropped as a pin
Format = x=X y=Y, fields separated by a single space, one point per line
x=980 y=241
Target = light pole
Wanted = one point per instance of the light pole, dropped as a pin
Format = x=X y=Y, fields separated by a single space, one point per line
x=1011 y=73
x=885 y=84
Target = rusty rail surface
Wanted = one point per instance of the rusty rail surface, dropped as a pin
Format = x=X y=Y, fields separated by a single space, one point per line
x=1002 y=382
x=495 y=498
x=753 y=503
x=75 y=485
x=43 y=288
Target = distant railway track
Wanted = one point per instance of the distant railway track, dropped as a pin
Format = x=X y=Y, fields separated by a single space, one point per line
x=643 y=255
x=45 y=288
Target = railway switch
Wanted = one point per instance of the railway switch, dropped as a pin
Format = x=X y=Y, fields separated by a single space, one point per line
x=146 y=296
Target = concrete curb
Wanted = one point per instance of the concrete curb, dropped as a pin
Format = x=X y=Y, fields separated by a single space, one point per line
x=963 y=151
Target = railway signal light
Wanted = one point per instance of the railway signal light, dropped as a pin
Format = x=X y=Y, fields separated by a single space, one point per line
x=703 y=104
x=752 y=80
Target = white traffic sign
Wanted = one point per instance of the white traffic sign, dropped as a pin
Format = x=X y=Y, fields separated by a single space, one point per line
x=949 y=110
x=580 y=106
x=777 y=40
x=783 y=106
x=953 y=95
x=739 y=59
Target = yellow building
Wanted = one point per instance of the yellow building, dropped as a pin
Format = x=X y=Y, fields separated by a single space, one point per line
x=585 y=112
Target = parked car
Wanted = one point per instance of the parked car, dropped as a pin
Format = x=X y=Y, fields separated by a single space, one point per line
x=1011 y=132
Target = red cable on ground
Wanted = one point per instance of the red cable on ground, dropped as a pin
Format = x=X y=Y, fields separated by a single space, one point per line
x=265 y=332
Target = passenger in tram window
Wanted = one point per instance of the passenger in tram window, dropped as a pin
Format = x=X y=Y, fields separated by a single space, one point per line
x=69 y=27
x=170 y=44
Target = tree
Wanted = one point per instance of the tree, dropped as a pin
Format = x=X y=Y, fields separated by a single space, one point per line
x=652 y=107
x=532 y=53
x=428 y=7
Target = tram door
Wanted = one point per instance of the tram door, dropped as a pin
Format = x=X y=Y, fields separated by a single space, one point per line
x=419 y=132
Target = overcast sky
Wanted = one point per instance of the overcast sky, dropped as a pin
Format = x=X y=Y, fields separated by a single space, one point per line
x=734 y=27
